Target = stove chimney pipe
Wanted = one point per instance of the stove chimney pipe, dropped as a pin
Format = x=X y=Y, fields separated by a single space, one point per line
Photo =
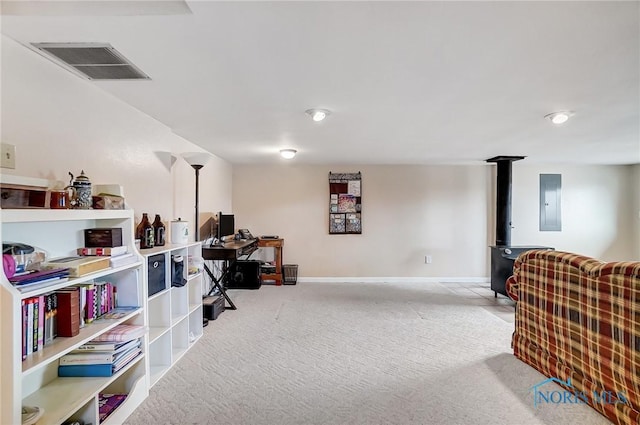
x=503 y=198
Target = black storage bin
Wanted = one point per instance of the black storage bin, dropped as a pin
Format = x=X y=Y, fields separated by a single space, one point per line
x=212 y=307
x=156 y=281
x=244 y=275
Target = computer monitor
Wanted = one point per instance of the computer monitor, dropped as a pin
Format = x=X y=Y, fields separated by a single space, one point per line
x=226 y=225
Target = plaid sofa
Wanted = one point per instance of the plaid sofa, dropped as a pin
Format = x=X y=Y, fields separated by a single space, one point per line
x=578 y=319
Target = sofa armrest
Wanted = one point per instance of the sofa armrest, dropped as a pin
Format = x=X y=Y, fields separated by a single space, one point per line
x=512 y=288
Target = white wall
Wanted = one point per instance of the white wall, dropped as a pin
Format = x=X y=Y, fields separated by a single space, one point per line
x=61 y=123
x=408 y=212
x=596 y=204
x=444 y=211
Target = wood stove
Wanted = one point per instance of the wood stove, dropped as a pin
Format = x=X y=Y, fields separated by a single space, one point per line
x=503 y=254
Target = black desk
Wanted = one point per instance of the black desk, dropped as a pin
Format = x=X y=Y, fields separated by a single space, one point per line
x=228 y=252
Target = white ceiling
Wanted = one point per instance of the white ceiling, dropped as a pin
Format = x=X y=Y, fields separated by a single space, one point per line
x=407 y=82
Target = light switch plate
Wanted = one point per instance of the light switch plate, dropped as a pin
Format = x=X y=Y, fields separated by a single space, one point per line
x=8 y=158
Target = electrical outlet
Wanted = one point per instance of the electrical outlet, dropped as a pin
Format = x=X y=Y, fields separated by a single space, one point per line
x=428 y=259
x=8 y=159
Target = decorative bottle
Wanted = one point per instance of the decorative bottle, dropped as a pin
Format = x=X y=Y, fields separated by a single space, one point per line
x=146 y=232
x=158 y=231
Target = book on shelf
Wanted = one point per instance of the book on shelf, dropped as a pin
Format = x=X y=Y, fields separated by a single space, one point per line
x=79 y=266
x=38 y=276
x=29 y=331
x=85 y=370
x=33 y=324
x=38 y=343
x=122 y=333
x=50 y=317
x=118 y=312
x=35 y=286
x=103 y=251
x=96 y=299
x=68 y=318
x=107 y=403
x=101 y=357
x=123 y=359
x=95 y=370
x=106 y=346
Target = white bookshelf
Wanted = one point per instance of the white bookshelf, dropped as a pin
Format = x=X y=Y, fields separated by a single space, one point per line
x=34 y=381
x=175 y=313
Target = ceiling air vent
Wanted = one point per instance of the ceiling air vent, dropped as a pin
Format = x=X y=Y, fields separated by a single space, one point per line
x=95 y=61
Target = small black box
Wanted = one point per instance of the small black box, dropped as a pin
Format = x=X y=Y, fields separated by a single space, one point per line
x=103 y=237
x=212 y=307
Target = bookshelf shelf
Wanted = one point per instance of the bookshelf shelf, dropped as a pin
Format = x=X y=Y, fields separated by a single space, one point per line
x=34 y=381
x=156 y=373
x=47 y=215
x=178 y=353
x=63 y=396
x=175 y=312
x=35 y=290
x=61 y=345
x=156 y=332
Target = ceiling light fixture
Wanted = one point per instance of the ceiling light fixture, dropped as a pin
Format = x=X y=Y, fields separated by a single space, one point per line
x=288 y=153
x=559 y=117
x=318 y=114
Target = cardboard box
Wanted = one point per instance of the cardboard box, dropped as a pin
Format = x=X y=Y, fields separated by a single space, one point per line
x=108 y=202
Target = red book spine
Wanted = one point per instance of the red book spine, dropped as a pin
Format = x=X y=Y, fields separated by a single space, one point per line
x=68 y=312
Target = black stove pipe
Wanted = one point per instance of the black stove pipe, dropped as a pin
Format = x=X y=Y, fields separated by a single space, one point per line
x=503 y=198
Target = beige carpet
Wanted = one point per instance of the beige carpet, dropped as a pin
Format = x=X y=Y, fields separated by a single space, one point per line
x=357 y=353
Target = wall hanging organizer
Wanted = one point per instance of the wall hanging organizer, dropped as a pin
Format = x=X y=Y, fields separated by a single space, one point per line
x=345 y=203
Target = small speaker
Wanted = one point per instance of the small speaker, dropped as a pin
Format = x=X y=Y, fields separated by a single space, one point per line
x=244 y=275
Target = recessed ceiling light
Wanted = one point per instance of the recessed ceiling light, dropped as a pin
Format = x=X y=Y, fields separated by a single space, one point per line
x=288 y=153
x=318 y=114
x=559 y=117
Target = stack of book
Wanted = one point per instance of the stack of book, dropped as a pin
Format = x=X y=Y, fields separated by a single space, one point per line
x=36 y=279
x=117 y=255
x=103 y=358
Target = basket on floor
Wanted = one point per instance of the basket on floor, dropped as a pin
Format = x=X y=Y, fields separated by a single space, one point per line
x=289 y=274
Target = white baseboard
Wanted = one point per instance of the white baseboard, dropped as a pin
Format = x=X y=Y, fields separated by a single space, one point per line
x=394 y=279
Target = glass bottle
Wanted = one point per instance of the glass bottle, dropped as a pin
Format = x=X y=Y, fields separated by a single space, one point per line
x=146 y=232
x=140 y=229
x=158 y=231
